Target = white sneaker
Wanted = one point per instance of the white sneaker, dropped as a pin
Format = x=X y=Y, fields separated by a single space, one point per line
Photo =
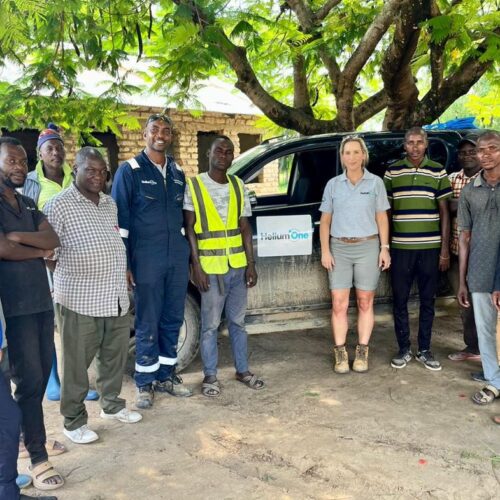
x=124 y=415
x=82 y=435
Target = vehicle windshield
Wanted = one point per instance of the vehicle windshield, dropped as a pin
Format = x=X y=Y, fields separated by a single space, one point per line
x=245 y=158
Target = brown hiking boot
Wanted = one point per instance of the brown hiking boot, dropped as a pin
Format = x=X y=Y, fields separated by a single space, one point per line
x=361 y=361
x=144 y=397
x=341 y=359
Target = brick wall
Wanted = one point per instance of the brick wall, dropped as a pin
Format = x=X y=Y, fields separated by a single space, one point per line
x=185 y=145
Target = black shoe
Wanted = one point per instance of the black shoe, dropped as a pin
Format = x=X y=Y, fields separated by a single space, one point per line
x=428 y=360
x=173 y=385
x=478 y=376
x=401 y=359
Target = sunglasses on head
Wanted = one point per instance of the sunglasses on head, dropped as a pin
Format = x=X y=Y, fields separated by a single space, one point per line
x=159 y=116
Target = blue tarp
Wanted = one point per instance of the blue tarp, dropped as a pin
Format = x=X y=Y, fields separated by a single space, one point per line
x=457 y=124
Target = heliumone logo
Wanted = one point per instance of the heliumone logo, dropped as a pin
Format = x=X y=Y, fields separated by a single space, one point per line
x=278 y=236
x=291 y=234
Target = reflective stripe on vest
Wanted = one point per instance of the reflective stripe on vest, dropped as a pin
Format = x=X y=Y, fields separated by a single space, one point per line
x=219 y=245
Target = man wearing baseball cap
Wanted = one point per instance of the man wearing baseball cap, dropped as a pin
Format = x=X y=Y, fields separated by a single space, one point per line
x=469 y=169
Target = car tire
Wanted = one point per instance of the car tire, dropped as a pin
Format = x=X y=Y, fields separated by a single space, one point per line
x=189 y=338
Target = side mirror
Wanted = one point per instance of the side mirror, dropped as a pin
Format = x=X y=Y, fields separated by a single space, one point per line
x=252 y=195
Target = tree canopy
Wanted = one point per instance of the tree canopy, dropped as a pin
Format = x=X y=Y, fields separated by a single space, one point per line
x=310 y=65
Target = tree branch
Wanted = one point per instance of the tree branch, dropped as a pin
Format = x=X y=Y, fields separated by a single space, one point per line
x=308 y=23
x=437 y=53
x=300 y=89
x=396 y=72
x=331 y=66
x=370 y=40
x=283 y=115
x=437 y=49
x=370 y=107
x=344 y=92
x=434 y=104
x=304 y=14
x=326 y=9
x=248 y=83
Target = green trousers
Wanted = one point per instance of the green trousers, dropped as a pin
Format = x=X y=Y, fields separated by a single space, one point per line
x=82 y=339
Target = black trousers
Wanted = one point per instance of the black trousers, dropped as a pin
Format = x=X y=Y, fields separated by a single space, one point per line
x=406 y=266
x=466 y=313
x=31 y=347
x=10 y=428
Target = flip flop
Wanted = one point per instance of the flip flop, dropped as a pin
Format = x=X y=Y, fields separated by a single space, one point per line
x=496 y=419
x=53 y=447
x=464 y=356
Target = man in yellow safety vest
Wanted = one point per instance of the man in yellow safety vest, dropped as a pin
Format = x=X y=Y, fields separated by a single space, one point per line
x=216 y=209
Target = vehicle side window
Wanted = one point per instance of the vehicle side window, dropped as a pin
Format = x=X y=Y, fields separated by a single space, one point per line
x=312 y=171
x=383 y=152
x=437 y=152
x=273 y=178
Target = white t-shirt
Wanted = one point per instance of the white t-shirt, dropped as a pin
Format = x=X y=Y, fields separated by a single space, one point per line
x=220 y=196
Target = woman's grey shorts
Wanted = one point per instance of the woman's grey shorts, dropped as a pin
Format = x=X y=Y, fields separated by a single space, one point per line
x=355 y=264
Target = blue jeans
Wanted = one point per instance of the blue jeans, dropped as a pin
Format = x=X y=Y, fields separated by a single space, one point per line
x=486 y=324
x=233 y=301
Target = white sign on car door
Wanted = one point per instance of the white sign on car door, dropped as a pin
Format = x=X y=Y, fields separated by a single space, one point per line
x=285 y=235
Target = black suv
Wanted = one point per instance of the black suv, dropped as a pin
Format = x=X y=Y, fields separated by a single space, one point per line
x=286 y=178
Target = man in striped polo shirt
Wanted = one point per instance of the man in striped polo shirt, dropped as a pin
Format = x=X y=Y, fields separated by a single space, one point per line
x=418 y=190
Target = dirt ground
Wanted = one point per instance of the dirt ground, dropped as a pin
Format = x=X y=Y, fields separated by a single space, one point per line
x=310 y=434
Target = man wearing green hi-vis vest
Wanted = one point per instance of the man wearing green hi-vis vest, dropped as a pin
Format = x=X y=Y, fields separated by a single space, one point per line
x=216 y=209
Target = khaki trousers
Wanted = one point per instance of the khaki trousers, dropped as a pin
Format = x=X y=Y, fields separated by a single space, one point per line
x=82 y=339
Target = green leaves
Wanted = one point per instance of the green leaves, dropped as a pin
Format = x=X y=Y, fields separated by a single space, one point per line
x=183 y=42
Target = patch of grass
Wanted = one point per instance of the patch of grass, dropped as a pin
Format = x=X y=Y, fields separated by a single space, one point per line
x=268 y=478
x=470 y=455
x=310 y=394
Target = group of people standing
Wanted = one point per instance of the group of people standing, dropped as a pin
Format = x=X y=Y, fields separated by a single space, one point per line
x=159 y=230
x=361 y=219
x=95 y=249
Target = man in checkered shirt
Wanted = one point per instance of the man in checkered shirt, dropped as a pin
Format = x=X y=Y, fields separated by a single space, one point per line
x=90 y=293
x=467 y=161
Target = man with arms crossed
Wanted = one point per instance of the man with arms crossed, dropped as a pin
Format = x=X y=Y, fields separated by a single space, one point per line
x=25 y=239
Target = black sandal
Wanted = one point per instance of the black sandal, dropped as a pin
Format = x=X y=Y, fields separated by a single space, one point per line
x=210 y=389
x=250 y=380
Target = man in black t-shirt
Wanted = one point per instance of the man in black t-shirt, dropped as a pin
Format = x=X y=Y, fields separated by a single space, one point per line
x=25 y=239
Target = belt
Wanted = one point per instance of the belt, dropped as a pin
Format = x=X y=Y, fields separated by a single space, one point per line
x=356 y=240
